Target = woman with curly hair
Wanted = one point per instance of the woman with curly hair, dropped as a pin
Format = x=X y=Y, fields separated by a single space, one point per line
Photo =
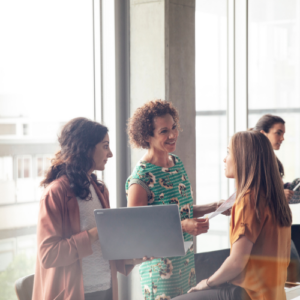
x=260 y=228
x=160 y=178
x=69 y=263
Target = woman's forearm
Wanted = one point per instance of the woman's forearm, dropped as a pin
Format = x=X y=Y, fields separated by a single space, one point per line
x=229 y=270
x=234 y=264
x=55 y=251
x=201 y=210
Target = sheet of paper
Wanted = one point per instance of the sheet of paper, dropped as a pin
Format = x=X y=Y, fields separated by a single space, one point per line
x=226 y=205
x=296 y=187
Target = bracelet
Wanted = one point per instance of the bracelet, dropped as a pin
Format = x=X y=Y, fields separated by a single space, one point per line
x=208 y=284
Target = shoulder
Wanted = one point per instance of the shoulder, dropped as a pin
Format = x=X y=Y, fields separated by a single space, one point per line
x=140 y=169
x=59 y=188
x=246 y=206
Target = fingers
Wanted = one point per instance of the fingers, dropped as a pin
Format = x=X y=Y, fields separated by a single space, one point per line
x=288 y=194
x=192 y=290
x=196 y=226
x=146 y=258
x=201 y=226
x=202 y=220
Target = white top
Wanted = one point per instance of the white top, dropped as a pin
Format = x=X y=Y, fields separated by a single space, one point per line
x=95 y=269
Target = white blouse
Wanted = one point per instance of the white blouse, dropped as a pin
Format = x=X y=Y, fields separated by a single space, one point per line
x=95 y=269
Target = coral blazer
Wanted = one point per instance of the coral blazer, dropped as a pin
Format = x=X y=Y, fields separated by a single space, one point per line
x=61 y=245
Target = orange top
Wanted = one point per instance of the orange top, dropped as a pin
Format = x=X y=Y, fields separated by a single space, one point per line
x=266 y=271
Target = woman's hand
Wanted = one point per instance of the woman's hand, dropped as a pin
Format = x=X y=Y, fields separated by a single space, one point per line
x=200 y=286
x=93 y=234
x=137 y=261
x=195 y=226
x=288 y=195
x=226 y=212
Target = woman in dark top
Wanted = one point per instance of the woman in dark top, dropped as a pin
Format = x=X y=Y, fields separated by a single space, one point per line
x=273 y=127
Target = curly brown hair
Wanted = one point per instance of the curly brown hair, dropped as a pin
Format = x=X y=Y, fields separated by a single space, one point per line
x=141 y=126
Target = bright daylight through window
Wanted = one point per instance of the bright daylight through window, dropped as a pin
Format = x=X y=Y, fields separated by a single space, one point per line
x=46 y=71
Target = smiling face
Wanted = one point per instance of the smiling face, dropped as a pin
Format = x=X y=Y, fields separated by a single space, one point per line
x=275 y=135
x=165 y=134
x=229 y=164
x=101 y=154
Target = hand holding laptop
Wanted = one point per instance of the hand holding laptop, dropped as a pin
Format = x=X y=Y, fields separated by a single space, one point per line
x=93 y=234
x=124 y=232
x=137 y=261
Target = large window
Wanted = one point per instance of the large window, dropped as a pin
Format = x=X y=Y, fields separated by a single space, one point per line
x=211 y=121
x=247 y=65
x=274 y=75
x=51 y=70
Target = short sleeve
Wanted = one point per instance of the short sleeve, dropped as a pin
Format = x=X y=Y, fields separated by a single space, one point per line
x=143 y=176
x=244 y=220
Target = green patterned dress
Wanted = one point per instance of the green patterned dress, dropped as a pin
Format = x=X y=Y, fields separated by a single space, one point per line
x=166 y=278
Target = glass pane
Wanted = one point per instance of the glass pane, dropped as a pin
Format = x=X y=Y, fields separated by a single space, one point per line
x=27 y=165
x=211 y=122
x=274 y=75
x=6 y=171
x=211 y=181
x=46 y=79
x=211 y=55
x=274 y=40
x=47 y=162
x=40 y=169
x=20 y=167
x=7 y=183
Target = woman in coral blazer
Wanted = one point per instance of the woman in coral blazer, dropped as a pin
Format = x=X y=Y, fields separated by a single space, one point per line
x=69 y=260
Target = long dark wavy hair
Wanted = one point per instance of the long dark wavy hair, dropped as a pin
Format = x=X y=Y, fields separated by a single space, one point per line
x=77 y=141
x=265 y=123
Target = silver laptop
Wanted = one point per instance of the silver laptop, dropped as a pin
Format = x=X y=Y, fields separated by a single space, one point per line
x=135 y=232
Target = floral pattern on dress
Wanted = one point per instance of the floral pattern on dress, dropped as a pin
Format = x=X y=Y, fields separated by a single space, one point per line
x=166 y=183
x=192 y=277
x=163 y=297
x=182 y=189
x=185 y=211
x=168 y=277
x=174 y=200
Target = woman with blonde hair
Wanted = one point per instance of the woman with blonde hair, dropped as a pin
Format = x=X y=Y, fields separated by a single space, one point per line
x=260 y=229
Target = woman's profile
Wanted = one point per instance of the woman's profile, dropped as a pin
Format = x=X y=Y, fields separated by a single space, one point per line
x=273 y=127
x=69 y=263
x=260 y=229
